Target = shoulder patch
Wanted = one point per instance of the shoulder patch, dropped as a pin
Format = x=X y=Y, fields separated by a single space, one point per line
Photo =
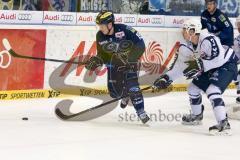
x=222 y=18
x=131 y=29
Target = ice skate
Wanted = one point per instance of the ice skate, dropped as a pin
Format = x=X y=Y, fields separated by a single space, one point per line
x=221 y=129
x=191 y=119
x=144 y=117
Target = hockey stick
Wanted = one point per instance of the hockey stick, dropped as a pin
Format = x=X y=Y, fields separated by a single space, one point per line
x=8 y=47
x=62 y=111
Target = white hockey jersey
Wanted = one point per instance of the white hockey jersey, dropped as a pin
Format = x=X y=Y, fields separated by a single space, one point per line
x=209 y=49
x=236 y=46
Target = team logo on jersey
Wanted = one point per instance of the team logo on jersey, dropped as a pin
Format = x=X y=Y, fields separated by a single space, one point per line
x=213 y=19
x=120 y=35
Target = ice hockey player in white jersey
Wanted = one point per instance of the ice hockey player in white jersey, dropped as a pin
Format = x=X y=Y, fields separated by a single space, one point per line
x=203 y=59
x=236 y=48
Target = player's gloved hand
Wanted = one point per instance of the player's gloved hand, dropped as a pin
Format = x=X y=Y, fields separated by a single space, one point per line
x=194 y=68
x=93 y=63
x=162 y=82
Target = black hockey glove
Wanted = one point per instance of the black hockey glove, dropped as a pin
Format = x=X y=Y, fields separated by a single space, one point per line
x=194 y=68
x=93 y=63
x=162 y=82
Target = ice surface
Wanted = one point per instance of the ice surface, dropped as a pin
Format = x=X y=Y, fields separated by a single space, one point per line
x=45 y=137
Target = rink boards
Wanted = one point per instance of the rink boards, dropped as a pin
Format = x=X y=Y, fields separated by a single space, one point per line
x=43 y=79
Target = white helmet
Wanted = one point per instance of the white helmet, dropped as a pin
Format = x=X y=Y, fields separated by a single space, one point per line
x=237 y=20
x=194 y=24
x=186 y=23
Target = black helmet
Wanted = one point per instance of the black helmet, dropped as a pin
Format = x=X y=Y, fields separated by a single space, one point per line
x=206 y=1
x=105 y=17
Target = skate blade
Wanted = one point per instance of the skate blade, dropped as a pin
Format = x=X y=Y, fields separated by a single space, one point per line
x=195 y=123
x=226 y=132
x=149 y=124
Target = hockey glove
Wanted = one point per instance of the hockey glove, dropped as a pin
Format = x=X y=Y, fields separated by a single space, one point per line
x=194 y=68
x=93 y=63
x=162 y=82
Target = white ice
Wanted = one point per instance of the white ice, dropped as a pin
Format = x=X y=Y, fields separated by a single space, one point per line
x=45 y=137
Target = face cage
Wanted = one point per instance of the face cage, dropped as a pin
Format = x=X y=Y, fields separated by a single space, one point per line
x=188 y=31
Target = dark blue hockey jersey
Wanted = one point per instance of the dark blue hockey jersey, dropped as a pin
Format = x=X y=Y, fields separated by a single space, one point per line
x=125 y=39
x=218 y=24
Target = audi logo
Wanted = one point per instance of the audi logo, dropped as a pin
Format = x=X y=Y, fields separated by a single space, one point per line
x=129 y=19
x=156 y=20
x=68 y=18
x=24 y=16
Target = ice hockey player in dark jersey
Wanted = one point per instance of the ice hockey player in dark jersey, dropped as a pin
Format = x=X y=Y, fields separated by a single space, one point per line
x=217 y=23
x=119 y=47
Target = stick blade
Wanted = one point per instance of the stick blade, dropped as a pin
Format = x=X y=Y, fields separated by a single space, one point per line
x=62 y=111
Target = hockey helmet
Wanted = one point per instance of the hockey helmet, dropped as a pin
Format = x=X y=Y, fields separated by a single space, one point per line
x=104 y=17
x=194 y=24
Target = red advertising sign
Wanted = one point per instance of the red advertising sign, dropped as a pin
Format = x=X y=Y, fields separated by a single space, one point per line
x=19 y=73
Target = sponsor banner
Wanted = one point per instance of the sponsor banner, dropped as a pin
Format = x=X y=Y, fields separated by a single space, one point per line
x=176 y=21
x=64 y=18
x=36 y=94
x=83 y=19
x=151 y=20
x=86 y=19
x=128 y=19
x=28 y=94
x=20 y=17
x=82 y=42
x=20 y=73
